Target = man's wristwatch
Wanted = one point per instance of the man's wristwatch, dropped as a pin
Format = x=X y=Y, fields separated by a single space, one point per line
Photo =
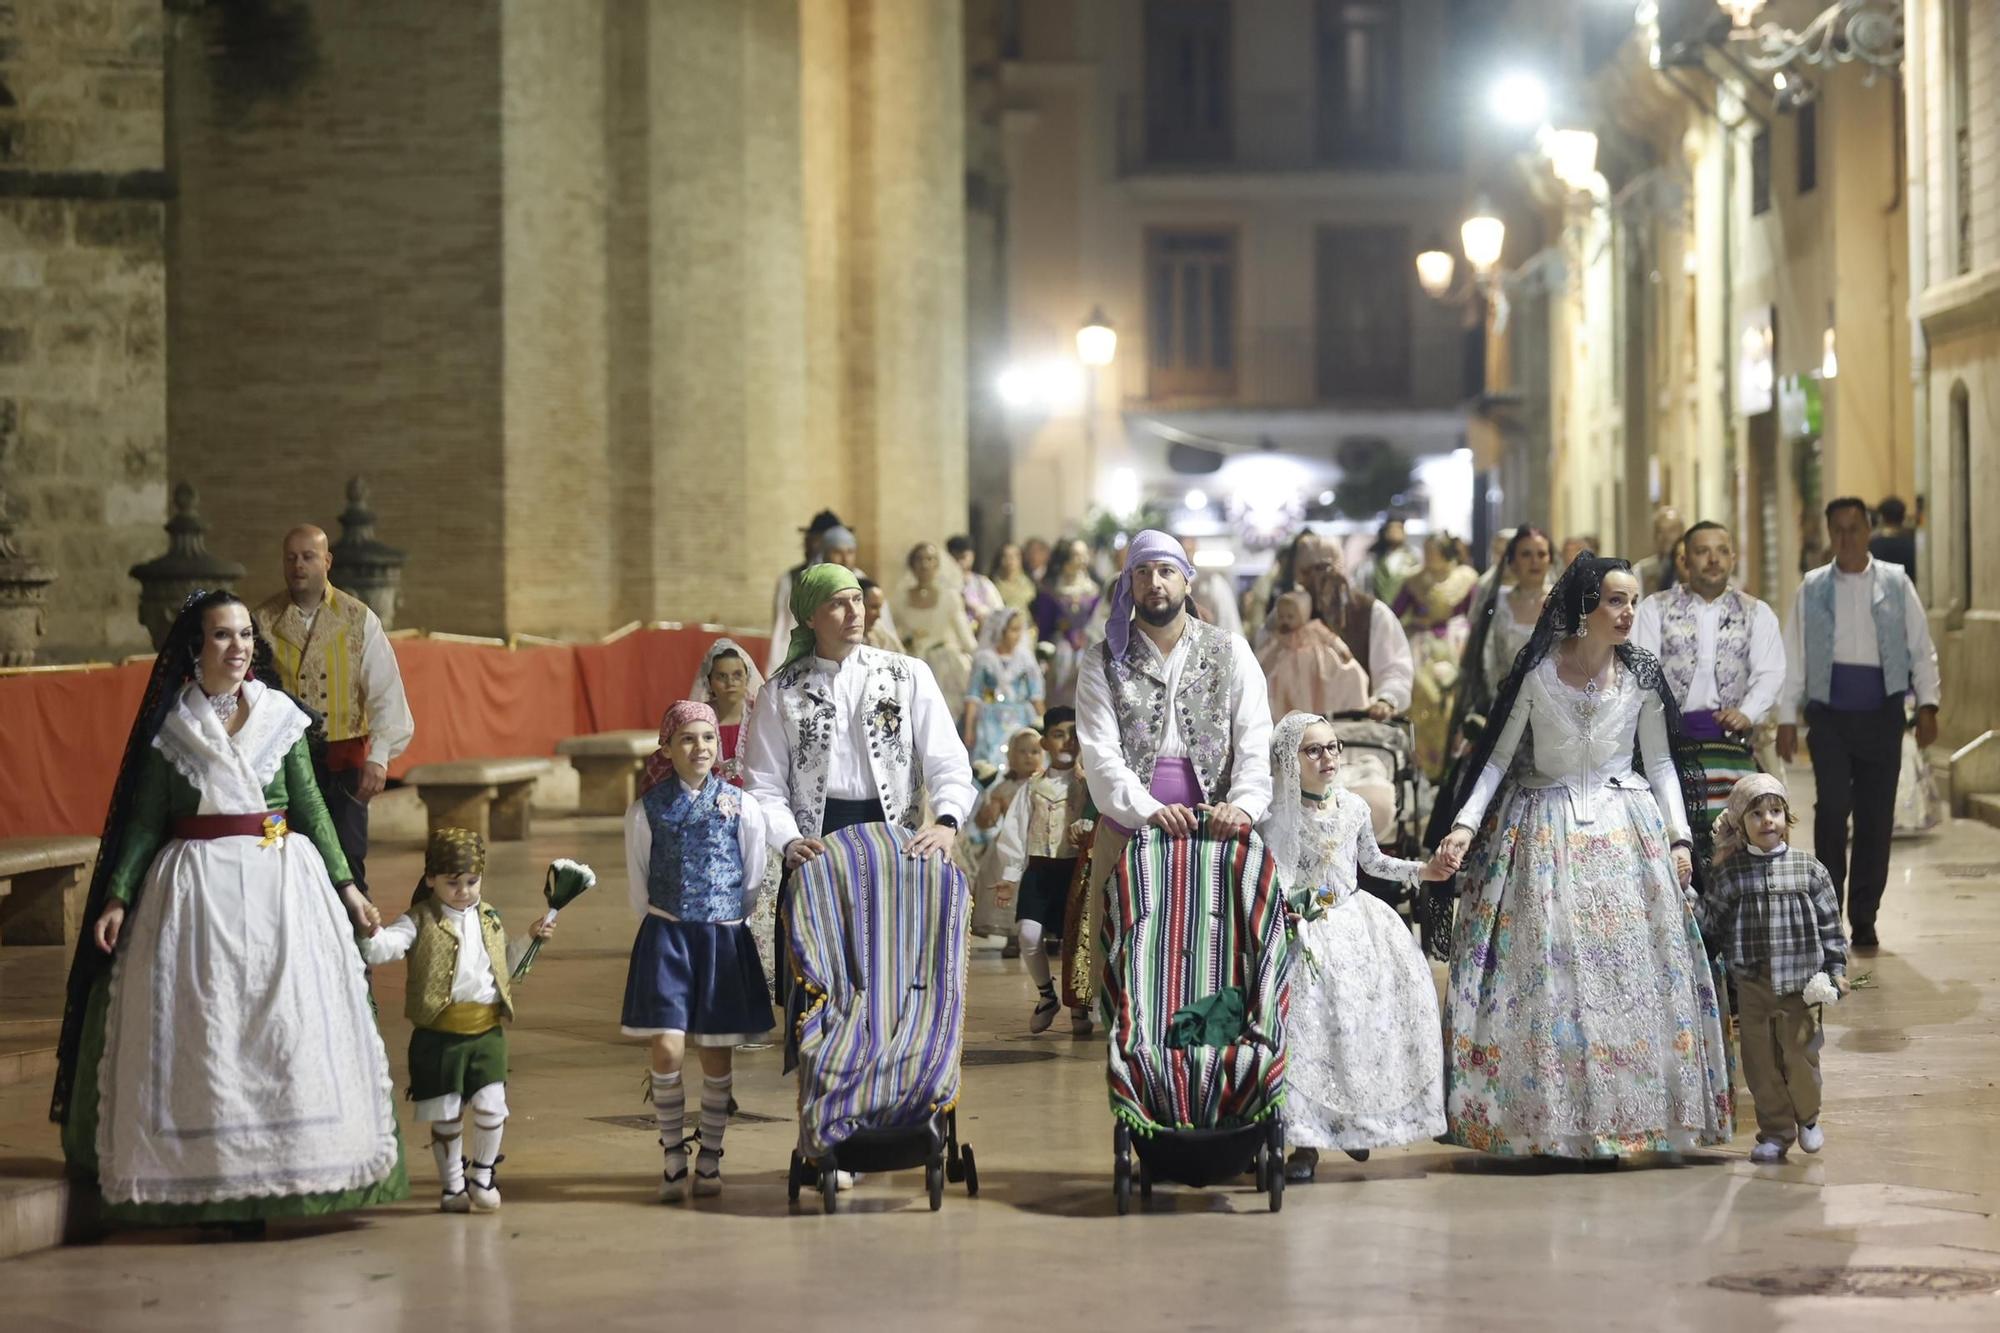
x=949 y=821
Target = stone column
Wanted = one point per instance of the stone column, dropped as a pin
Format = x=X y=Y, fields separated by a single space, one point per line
x=553 y=447
x=727 y=252
x=906 y=409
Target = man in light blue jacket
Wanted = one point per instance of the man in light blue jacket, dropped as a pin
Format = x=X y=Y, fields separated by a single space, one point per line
x=1856 y=644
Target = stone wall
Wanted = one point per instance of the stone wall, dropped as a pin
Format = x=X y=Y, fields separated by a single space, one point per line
x=602 y=299
x=82 y=307
x=337 y=292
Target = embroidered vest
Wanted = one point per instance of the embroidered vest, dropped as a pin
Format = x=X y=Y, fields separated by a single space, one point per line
x=696 y=869
x=433 y=961
x=1139 y=702
x=1680 y=645
x=888 y=700
x=1891 y=640
x=1052 y=808
x=320 y=662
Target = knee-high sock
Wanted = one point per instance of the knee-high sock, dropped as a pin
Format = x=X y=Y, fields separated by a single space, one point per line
x=484 y=1150
x=446 y=1150
x=714 y=1112
x=669 y=1108
x=1033 y=954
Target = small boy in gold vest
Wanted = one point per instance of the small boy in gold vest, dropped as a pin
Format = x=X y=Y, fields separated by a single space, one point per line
x=457 y=996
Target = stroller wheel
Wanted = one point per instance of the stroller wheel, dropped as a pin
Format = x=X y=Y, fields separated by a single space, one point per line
x=794 y=1177
x=1121 y=1168
x=1263 y=1168
x=934 y=1182
x=1273 y=1154
x=829 y=1188
x=970 y=1172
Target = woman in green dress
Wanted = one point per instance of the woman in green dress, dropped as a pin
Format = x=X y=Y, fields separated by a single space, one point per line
x=219 y=1060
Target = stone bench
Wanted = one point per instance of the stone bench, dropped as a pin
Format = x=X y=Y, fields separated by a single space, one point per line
x=488 y=796
x=608 y=765
x=43 y=884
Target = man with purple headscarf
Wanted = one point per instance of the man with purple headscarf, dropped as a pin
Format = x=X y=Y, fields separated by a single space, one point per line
x=1171 y=713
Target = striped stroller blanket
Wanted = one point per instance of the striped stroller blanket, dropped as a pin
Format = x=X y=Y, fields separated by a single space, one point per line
x=1188 y=918
x=877 y=940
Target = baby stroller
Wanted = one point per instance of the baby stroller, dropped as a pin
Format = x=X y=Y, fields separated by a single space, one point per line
x=877 y=941
x=1195 y=994
x=1387 y=752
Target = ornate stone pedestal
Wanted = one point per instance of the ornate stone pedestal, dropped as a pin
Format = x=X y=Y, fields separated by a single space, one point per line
x=187 y=567
x=23 y=588
x=369 y=569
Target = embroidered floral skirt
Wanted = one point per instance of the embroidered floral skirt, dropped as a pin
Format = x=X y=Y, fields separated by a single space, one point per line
x=1582 y=1018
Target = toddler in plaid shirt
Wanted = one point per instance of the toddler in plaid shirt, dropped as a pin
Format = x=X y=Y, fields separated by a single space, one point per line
x=1776 y=913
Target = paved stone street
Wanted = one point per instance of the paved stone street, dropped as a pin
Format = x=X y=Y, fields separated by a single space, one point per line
x=1422 y=1237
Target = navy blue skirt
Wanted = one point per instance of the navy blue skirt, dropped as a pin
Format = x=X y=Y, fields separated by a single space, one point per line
x=698 y=978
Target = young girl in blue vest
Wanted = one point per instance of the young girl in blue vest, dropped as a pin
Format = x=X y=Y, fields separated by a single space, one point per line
x=457 y=996
x=695 y=849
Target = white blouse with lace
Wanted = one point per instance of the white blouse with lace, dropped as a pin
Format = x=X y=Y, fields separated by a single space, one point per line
x=1582 y=741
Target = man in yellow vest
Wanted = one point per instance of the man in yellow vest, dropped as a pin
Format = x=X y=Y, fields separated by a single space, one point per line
x=334 y=658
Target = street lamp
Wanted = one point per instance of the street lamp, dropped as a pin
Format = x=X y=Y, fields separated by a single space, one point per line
x=1096 y=341
x=1483 y=236
x=1520 y=99
x=1572 y=156
x=1435 y=268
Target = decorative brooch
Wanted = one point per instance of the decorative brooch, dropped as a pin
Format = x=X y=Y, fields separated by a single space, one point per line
x=275 y=830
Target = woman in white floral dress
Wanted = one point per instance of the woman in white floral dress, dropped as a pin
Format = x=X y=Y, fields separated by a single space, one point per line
x=1365 y=1068
x=1582 y=1019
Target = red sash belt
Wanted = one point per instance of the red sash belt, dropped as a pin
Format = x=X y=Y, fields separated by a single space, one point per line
x=344 y=756
x=200 y=828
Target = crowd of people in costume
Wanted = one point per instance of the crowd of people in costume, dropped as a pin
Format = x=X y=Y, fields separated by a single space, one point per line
x=1609 y=835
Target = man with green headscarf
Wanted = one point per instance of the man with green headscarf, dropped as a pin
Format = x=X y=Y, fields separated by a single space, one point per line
x=846 y=734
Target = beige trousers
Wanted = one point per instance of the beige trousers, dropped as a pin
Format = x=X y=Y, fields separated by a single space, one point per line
x=1780 y=1040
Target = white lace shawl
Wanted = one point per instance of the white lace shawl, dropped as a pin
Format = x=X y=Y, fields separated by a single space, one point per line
x=230 y=772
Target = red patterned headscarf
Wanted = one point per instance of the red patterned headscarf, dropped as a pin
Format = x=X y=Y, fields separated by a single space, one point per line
x=660 y=766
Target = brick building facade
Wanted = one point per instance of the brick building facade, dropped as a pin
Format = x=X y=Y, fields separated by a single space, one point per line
x=603 y=299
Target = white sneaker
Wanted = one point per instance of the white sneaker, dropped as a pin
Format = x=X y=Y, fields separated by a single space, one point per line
x=1767 y=1153
x=1811 y=1137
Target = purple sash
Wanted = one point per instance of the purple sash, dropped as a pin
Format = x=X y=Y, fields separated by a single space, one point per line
x=1700 y=724
x=1173 y=784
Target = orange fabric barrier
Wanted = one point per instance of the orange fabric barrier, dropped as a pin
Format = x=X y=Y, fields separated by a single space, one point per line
x=632 y=683
x=472 y=701
x=61 y=733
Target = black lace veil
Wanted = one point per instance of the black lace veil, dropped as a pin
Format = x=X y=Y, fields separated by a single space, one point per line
x=172 y=669
x=1575 y=595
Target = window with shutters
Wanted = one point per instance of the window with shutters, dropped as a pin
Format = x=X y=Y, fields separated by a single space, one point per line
x=1363 y=296
x=1191 y=313
x=1360 y=83
x=1189 y=115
